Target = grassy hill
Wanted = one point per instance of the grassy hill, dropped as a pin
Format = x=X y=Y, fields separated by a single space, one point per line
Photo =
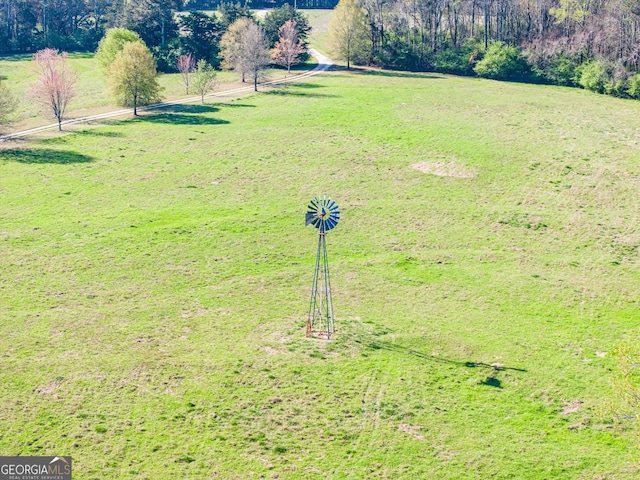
x=156 y=273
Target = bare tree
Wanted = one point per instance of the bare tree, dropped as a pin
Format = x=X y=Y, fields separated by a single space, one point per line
x=245 y=49
x=186 y=64
x=254 y=52
x=54 y=87
x=289 y=46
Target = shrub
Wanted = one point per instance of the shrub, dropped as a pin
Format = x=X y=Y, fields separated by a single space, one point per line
x=399 y=55
x=561 y=70
x=633 y=86
x=593 y=76
x=503 y=62
x=458 y=61
x=617 y=88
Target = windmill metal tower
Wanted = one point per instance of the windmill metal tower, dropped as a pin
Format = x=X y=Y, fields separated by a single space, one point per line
x=324 y=214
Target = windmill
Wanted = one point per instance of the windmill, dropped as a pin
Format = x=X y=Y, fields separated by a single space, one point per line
x=324 y=214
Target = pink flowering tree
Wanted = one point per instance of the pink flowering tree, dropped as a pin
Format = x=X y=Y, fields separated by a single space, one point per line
x=54 y=88
x=186 y=65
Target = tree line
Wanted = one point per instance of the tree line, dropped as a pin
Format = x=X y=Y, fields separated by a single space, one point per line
x=78 y=25
x=262 y=4
x=589 y=43
x=247 y=45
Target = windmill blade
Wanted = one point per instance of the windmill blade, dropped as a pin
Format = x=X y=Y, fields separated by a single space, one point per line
x=308 y=218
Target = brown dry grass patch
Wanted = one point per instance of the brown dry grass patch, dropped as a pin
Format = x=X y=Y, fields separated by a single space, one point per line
x=444 y=169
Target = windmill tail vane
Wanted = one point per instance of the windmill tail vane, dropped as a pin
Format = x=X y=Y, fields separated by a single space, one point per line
x=324 y=214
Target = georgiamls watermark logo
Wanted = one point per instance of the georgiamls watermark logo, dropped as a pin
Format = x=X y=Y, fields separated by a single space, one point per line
x=35 y=468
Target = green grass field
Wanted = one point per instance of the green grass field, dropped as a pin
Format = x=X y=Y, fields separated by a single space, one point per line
x=319 y=19
x=156 y=273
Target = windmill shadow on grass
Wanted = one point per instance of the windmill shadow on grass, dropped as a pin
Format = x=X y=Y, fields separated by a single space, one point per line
x=490 y=381
x=43 y=156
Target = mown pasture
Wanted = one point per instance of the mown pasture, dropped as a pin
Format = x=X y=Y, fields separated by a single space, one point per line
x=156 y=273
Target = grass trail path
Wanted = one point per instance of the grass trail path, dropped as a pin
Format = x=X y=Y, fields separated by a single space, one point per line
x=323 y=64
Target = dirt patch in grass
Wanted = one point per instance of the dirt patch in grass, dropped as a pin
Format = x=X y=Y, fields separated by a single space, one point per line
x=444 y=169
x=274 y=351
x=413 y=430
x=50 y=389
x=571 y=407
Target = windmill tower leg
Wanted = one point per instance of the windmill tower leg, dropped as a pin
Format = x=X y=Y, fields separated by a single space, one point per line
x=328 y=301
x=313 y=303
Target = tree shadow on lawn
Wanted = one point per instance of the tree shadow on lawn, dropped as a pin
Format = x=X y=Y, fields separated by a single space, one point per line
x=98 y=133
x=18 y=57
x=81 y=54
x=180 y=119
x=388 y=73
x=306 y=85
x=490 y=381
x=302 y=67
x=43 y=156
x=187 y=108
x=231 y=105
x=290 y=92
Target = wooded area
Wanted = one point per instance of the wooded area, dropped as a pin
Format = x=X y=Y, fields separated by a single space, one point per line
x=261 y=4
x=415 y=30
x=30 y=25
x=593 y=43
